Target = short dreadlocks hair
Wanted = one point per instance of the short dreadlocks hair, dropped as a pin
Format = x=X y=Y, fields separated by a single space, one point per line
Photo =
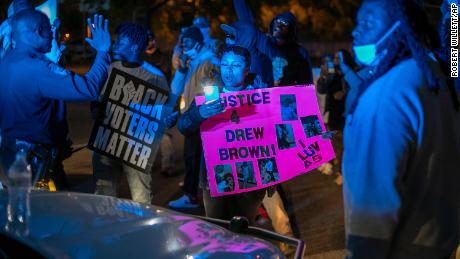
x=137 y=34
x=416 y=38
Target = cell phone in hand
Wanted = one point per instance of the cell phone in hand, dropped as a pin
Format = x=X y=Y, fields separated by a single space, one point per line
x=211 y=93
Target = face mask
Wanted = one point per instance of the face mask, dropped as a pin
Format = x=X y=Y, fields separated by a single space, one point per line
x=366 y=54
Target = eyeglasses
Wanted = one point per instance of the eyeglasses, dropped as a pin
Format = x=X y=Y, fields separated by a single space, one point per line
x=281 y=22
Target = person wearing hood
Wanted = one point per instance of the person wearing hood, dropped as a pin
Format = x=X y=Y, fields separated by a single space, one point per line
x=198 y=62
x=261 y=65
x=291 y=62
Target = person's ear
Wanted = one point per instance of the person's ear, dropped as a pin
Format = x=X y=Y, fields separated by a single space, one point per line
x=246 y=71
x=42 y=33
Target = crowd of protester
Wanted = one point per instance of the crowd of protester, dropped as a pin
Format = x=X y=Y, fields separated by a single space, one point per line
x=392 y=108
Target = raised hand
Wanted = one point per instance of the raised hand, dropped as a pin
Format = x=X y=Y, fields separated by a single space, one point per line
x=100 y=36
x=328 y=134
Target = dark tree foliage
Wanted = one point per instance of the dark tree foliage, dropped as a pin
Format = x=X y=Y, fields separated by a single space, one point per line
x=319 y=20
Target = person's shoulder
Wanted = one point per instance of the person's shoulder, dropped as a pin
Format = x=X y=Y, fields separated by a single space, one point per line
x=152 y=69
x=408 y=74
x=154 y=76
x=117 y=65
x=207 y=55
x=401 y=86
x=25 y=57
x=37 y=67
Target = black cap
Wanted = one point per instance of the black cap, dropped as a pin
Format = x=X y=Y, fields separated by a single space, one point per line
x=201 y=22
x=193 y=33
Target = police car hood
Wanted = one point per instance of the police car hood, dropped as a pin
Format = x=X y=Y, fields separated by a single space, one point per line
x=70 y=225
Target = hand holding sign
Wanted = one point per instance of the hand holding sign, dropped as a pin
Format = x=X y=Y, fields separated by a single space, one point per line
x=211 y=109
x=329 y=134
x=170 y=120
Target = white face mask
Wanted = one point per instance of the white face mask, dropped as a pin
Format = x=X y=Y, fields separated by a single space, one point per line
x=367 y=54
x=193 y=52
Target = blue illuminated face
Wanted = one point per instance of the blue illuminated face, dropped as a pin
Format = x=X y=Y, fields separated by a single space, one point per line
x=122 y=48
x=233 y=70
x=372 y=23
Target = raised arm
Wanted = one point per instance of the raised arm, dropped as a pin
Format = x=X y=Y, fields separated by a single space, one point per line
x=243 y=12
x=58 y=83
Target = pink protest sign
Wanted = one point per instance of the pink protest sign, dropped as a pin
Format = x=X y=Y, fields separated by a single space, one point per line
x=264 y=137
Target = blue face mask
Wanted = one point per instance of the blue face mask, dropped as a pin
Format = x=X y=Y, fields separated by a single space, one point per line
x=367 y=54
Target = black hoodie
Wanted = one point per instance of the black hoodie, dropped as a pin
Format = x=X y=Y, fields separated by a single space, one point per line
x=297 y=68
x=260 y=64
